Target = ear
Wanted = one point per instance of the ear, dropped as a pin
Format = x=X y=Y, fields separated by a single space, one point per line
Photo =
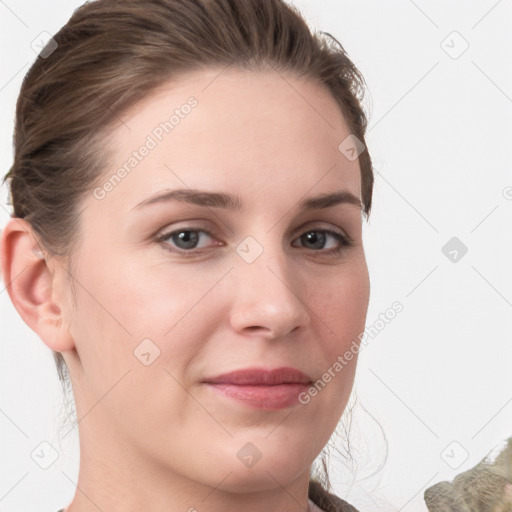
x=36 y=288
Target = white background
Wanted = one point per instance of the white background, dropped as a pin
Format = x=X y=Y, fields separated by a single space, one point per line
x=439 y=134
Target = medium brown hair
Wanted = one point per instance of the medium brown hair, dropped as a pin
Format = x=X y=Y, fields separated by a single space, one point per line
x=111 y=54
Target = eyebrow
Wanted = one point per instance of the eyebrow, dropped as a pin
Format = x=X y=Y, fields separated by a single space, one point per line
x=233 y=202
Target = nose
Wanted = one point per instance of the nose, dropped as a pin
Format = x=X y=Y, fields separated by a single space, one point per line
x=269 y=297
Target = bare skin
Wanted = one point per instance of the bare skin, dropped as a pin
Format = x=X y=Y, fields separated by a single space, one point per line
x=155 y=437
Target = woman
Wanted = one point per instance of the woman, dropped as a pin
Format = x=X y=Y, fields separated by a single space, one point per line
x=188 y=189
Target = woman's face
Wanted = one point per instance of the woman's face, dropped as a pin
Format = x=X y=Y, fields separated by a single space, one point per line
x=254 y=283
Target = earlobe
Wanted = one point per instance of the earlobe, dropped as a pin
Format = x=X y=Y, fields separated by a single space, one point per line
x=31 y=284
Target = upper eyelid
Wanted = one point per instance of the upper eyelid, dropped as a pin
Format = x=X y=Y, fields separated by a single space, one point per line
x=311 y=225
x=303 y=229
x=199 y=225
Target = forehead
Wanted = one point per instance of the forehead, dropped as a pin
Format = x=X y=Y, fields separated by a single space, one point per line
x=230 y=129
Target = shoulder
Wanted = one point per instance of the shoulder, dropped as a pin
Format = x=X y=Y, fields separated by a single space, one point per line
x=486 y=486
x=326 y=501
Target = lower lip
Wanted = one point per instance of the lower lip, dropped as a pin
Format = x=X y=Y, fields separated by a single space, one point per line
x=270 y=398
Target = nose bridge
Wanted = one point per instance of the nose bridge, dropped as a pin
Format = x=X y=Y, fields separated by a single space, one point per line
x=265 y=261
x=268 y=292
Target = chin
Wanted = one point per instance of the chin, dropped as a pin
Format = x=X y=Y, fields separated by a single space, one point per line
x=244 y=481
x=263 y=472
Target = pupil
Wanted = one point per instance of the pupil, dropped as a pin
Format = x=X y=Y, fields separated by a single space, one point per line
x=188 y=237
x=312 y=236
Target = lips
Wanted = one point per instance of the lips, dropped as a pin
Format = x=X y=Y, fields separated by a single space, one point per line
x=261 y=388
x=262 y=377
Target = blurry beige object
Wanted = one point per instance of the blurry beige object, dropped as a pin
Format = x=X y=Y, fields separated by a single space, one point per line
x=487 y=487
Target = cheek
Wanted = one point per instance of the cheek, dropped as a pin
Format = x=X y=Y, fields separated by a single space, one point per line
x=342 y=305
x=126 y=301
x=135 y=337
x=159 y=314
x=340 y=309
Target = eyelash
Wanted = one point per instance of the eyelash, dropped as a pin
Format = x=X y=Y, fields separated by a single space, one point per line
x=345 y=241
